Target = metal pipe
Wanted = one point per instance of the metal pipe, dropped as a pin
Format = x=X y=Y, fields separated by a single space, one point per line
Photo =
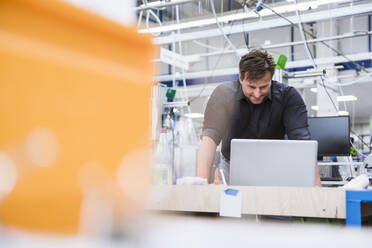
x=290 y=64
x=287 y=44
x=254 y=26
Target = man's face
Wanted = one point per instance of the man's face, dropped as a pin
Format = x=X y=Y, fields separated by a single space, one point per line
x=256 y=91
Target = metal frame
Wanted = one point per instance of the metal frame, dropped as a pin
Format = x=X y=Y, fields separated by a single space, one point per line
x=272 y=23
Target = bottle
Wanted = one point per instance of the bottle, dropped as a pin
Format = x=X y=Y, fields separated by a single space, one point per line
x=162 y=168
x=187 y=148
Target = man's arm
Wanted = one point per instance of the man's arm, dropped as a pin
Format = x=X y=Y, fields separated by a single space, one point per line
x=217 y=115
x=317 y=177
x=206 y=154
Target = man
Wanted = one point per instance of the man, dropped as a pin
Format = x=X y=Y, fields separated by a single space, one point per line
x=254 y=107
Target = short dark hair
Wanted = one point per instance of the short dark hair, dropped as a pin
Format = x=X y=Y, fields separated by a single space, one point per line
x=254 y=65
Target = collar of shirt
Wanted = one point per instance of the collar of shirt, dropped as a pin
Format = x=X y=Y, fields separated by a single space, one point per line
x=240 y=95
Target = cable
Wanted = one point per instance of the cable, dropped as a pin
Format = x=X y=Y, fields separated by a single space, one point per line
x=245 y=36
x=221 y=30
x=212 y=72
x=322 y=42
x=244 y=32
x=360 y=138
x=300 y=27
x=311 y=57
x=342 y=93
x=215 y=66
x=326 y=90
x=360 y=153
x=208 y=46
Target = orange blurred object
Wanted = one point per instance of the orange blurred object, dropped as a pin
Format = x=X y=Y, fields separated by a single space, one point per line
x=74 y=91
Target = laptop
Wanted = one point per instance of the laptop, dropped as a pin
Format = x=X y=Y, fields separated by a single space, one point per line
x=273 y=162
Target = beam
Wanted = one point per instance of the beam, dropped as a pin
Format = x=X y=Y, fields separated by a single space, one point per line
x=272 y=23
x=195 y=57
x=290 y=64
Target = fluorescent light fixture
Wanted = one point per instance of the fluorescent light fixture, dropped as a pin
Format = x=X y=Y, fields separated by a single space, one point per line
x=315 y=90
x=342 y=112
x=348 y=98
x=240 y=16
x=315 y=107
x=194 y=115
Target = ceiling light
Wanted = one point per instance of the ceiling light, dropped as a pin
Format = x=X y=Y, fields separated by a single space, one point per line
x=315 y=107
x=194 y=115
x=346 y=98
x=342 y=112
x=315 y=90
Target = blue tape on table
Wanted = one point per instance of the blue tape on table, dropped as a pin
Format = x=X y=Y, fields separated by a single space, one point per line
x=232 y=192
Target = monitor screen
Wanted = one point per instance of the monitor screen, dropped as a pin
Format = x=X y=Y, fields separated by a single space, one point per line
x=332 y=134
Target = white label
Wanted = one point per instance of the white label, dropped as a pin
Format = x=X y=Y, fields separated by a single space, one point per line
x=231 y=203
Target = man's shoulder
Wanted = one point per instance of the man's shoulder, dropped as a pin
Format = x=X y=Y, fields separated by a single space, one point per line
x=229 y=87
x=280 y=86
x=281 y=90
x=226 y=90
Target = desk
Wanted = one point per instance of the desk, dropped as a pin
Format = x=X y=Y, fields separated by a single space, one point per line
x=284 y=201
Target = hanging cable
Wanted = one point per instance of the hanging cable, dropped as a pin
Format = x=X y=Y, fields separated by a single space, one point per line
x=214 y=68
x=342 y=93
x=360 y=152
x=302 y=31
x=181 y=53
x=360 y=138
x=311 y=57
x=212 y=72
x=209 y=46
x=301 y=28
x=186 y=96
x=329 y=96
x=222 y=32
x=338 y=52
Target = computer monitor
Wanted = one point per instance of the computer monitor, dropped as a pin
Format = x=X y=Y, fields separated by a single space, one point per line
x=332 y=134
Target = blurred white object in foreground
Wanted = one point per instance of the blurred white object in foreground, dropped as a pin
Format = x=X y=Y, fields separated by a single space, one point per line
x=186 y=232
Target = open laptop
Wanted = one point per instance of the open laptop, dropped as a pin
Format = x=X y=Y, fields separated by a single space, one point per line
x=273 y=162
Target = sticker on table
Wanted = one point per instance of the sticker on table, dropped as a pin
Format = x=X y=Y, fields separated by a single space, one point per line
x=231 y=203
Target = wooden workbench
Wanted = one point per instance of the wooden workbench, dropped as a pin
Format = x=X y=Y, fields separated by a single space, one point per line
x=284 y=201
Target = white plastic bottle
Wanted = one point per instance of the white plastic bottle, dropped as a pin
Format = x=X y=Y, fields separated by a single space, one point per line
x=162 y=169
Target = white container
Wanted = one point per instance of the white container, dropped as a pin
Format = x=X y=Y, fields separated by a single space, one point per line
x=162 y=173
